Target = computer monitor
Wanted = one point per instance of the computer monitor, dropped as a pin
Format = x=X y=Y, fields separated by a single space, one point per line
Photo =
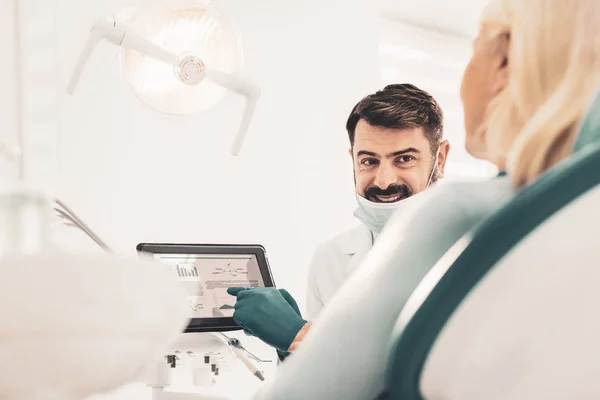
x=206 y=271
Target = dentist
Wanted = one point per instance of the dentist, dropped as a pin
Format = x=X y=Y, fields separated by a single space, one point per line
x=397 y=148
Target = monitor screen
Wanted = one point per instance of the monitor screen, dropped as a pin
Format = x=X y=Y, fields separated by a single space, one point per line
x=206 y=271
x=206 y=278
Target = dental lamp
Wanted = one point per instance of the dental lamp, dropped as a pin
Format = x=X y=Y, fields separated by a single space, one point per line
x=178 y=58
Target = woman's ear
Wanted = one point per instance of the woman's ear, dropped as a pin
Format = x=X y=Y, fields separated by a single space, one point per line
x=501 y=62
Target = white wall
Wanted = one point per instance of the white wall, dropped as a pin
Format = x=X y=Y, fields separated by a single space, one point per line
x=8 y=109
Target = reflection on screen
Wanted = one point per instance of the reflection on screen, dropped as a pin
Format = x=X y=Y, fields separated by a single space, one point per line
x=206 y=278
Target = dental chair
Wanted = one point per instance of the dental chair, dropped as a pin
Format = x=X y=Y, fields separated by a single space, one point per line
x=511 y=311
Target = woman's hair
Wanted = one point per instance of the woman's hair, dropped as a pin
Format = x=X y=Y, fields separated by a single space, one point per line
x=554 y=71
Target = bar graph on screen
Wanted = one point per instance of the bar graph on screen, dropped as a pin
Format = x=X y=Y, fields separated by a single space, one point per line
x=187 y=271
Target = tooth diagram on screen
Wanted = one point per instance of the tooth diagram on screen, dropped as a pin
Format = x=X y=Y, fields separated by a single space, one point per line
x=206 y=278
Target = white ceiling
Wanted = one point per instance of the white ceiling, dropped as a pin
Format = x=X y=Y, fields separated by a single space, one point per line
x=458 y=17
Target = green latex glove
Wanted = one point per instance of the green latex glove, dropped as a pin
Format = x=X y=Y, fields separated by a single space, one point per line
x=288 y=297
x=290 y=300
x=268 y=315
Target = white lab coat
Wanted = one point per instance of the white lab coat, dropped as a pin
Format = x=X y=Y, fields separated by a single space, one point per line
x=332 y=263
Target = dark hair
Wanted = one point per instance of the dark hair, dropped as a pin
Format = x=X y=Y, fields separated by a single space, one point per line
x=400 y=106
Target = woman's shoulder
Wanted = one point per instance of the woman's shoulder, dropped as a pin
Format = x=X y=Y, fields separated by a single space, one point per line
x=455 y=203
x=475 y=190
x=472 y=198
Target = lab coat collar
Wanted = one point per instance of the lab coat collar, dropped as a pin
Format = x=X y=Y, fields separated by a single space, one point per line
x=355 y=240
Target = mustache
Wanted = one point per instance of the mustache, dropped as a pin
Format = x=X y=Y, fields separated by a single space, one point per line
x=403 y=190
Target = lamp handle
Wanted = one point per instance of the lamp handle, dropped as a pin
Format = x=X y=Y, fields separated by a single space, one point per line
x=117 y=33
x=103 y=28
x=242 y=87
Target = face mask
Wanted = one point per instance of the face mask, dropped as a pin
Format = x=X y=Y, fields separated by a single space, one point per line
x=375 y=215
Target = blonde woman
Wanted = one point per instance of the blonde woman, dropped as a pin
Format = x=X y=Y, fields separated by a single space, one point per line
x=534 y=70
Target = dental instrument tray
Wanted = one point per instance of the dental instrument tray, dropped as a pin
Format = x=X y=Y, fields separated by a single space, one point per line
x=207 y=271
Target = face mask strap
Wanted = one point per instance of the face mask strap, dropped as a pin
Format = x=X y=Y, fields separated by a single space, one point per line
x=435 y=164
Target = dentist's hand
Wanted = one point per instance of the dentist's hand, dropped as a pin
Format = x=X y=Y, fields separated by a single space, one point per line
x=270 y=314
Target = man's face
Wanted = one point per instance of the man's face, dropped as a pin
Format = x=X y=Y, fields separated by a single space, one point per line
x=393 y=164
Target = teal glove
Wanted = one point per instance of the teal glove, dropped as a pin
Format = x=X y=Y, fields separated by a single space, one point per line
x=290 y=300
x=269 y=314
x=288 y=297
